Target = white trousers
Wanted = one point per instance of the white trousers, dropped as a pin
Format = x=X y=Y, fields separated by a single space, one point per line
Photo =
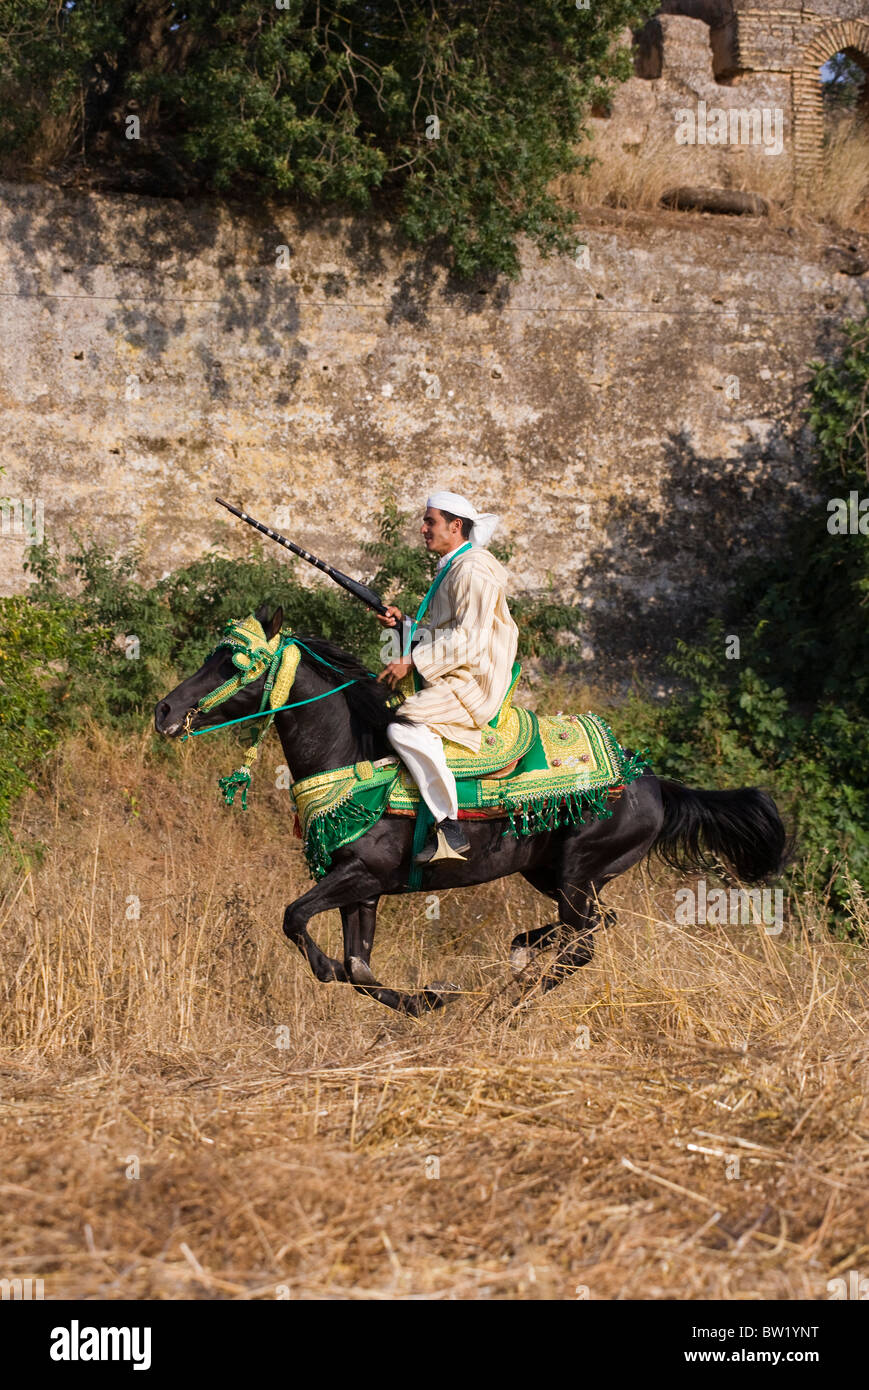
x=422 y=752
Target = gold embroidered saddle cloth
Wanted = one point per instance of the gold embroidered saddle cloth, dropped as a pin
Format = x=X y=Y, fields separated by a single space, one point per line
x=538 y=773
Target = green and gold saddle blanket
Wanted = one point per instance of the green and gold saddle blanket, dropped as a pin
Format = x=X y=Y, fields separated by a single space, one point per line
x=569 y=766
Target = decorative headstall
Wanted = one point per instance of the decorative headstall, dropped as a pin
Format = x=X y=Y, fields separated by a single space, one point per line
x=252 y=654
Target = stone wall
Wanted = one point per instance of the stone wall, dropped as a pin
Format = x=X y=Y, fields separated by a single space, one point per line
x=635 y=414
x=676 y=72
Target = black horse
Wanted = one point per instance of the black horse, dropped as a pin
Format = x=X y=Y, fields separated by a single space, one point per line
x=688 y=829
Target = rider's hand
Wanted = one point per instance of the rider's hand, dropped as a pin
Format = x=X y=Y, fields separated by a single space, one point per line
x=395 y=672
x=394 y=616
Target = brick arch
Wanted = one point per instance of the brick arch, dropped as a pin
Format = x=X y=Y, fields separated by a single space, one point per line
x=808 y=102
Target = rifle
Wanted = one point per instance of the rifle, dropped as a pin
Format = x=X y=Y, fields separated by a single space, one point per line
x=360 y=591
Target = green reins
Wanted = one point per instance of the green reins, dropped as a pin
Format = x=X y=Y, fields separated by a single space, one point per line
x=244 y=718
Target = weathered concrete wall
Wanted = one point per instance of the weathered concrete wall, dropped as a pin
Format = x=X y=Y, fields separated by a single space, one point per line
x=636 y=420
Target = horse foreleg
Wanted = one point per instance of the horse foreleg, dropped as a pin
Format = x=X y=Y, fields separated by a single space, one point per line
x=359 y=925
x=359 y=922
x=323 y=966
x=352 y=889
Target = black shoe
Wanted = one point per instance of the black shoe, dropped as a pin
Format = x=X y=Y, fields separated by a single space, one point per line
x=446 y=841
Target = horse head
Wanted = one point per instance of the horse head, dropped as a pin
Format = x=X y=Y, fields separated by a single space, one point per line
x=229 y=684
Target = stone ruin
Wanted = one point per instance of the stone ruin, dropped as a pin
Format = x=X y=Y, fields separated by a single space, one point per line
x=737 y=56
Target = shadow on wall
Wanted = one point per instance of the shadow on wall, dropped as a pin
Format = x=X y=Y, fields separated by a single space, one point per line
x=655 y=576
x=159 y=250
x=662 y=572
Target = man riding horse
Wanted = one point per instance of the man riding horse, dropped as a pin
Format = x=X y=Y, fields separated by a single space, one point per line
x=575 y=811
x=461 y=648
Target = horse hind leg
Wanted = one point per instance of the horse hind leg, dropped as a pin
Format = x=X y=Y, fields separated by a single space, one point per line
x=592 y=857
x=580 y=913
x=572 y=934
x=527 y=945
x=578 y=948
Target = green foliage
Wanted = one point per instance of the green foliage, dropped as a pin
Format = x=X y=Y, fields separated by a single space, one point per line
x=842 y=83
x=329 y=105
x=813 y=607
x=38 y=646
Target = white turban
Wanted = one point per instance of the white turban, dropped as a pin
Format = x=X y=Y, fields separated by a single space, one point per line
x=484 y=522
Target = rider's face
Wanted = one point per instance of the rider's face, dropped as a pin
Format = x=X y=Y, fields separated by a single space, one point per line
x=440 y=536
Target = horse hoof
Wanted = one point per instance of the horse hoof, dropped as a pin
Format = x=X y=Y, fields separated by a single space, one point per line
x=437 y=996
x=520 y=957
x=359 y=972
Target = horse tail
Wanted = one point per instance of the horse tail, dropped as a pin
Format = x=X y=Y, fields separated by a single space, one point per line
x=741 y=828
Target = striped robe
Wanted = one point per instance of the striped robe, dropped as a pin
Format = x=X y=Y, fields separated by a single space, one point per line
x=466 y=656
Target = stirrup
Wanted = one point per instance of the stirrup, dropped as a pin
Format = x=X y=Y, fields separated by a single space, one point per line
x=438 y=847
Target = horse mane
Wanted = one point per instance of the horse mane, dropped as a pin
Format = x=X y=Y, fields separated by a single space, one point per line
x=366 y=700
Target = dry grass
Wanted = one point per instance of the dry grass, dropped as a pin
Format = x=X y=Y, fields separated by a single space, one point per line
x=629 y=176
x=843 y=189
x=636 y=175
x=302 y=1171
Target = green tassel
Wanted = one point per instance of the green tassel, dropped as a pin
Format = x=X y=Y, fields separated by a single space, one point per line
x=338 y=826
x=231 y=784
x=635 y=766
x=424 y=822
x=555 y=810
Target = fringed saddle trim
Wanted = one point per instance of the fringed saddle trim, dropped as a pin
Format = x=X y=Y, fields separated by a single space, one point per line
x=338 y=806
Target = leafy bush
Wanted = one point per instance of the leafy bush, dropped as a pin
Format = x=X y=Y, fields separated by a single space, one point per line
x=39 y=648
x=458 y=116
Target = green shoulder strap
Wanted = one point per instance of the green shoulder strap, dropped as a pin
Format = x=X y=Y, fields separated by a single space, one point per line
x=432 y=590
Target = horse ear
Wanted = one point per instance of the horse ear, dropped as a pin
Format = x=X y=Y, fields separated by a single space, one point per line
x=275 y=625
x=262 y=616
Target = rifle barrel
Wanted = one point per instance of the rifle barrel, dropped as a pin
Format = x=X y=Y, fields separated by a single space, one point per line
x=353 y=586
